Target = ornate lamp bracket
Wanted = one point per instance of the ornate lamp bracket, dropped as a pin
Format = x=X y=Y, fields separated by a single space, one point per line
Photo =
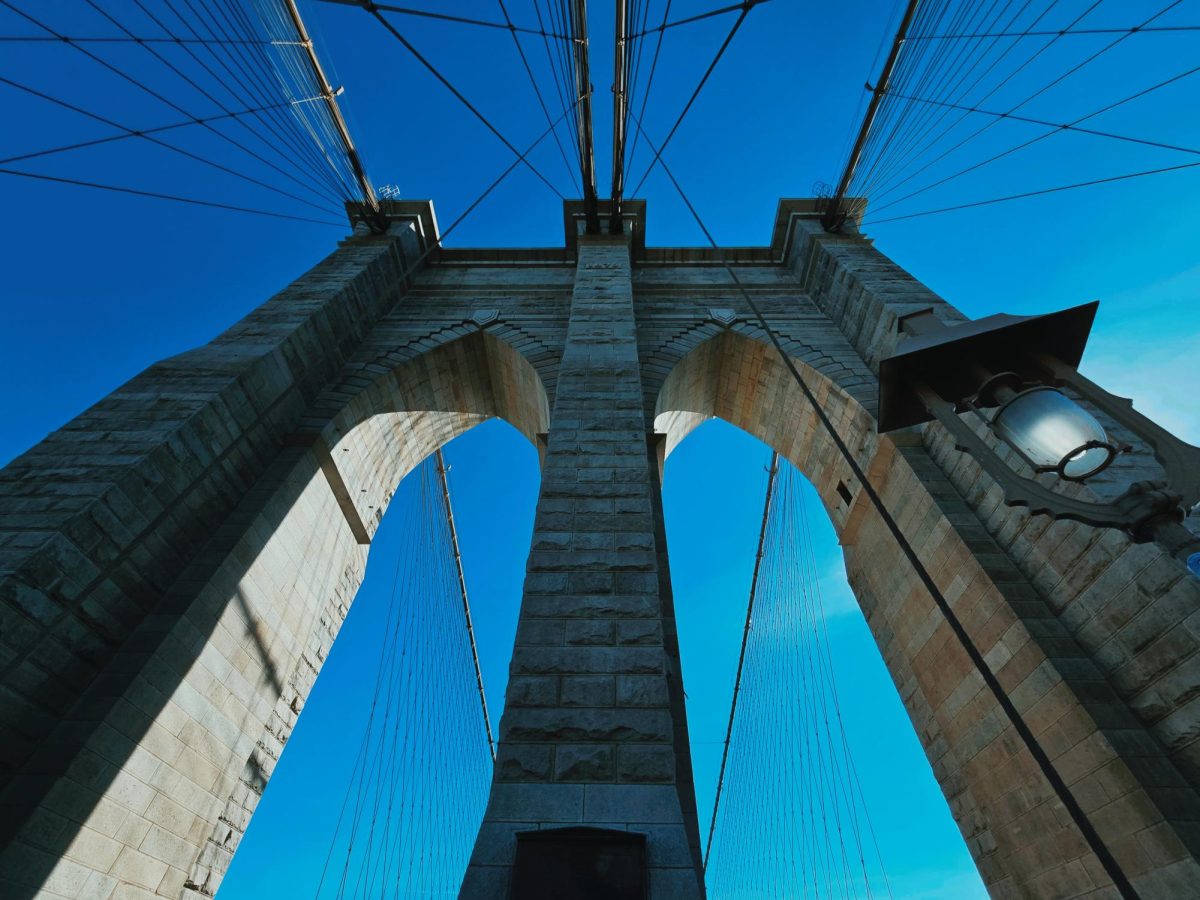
x=1141 y=511
x=941 y=371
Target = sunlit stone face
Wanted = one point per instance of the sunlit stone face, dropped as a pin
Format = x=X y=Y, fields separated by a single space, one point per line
x=1049 y=428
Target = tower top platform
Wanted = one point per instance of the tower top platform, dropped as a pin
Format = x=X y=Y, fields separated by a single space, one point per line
x=420 y=215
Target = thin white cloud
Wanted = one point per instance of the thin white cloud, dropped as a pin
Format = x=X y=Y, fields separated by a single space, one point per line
x=1146 y=346
x=1161 y=375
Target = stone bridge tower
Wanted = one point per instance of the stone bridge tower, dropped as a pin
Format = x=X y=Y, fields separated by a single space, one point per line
x=176 y=562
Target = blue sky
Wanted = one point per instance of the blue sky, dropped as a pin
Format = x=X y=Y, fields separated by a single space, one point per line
x=97 y=286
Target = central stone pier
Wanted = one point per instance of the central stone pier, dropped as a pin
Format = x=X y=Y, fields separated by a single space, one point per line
x=594 y=731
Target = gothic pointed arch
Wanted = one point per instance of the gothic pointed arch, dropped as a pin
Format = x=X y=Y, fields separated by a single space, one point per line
x=1008 y=805
x=221 y=665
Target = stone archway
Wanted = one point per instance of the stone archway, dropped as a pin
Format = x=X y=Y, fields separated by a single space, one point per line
x=1023 y=838
x=147 y=692
x=163 y=781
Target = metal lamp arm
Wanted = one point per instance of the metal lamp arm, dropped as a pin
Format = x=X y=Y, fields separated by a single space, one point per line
x=1141 y=503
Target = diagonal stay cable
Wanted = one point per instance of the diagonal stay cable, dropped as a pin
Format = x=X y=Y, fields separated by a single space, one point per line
x=946 y=84
x=1060 y=126
x=250 y=98
x=158 y=196
x=121 y=39
x=649 y=82
x=536 y=90
x=1077 y=67
x=147 y=135
x=1060 y=32
x=699 y=17
x=1041 y=137
x=129 y=133
x=433 y=70
x=912 y=62
x=478 y=200
x=1055 y=780
x=189 y=80
x=691 y=100
x=1052 y=190
x=260 y=212
x=155 y=94
x=247 y=79
x=445 y=17
x=1029 y=60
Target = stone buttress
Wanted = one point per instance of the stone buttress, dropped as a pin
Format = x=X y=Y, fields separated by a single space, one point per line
x=593 y=731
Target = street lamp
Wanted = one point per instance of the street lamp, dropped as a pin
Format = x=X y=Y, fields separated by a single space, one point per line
x=1006 y=372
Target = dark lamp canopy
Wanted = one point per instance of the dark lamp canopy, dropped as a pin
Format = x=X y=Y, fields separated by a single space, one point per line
x=948 y=359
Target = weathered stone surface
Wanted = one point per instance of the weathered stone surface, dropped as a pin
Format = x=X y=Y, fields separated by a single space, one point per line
x=524 y=762
x=584 y=762
x=645 y=763
x=594 y=569
x=588 y=690
x=563 y=724
x=177 y=561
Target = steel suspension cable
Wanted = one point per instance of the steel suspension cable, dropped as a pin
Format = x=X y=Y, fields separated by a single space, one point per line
x=692 y=99
x=248 y=97
x=276 y=124
x=203 y=92
x=772 y=469
x=319 y=148
x=128 y=133
x=462 y=583
x=458 y=95
x=582 y=80
x=1095 y=843
x=1072 y=125
x=699 y=17
x=536 y=90
x=462 y=20
x=554 y=68
x=160 y=97
x=1074 y=69
x=1029 y=60
x=649 y=84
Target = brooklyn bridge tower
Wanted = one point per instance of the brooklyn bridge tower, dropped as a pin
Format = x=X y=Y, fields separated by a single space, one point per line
x=176 y=561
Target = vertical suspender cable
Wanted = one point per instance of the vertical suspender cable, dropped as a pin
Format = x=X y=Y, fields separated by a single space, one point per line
x=1040 y=757
x=737 y=679
x=834 y=216
x=462 y=584
x=583 y=93
x=620 y=113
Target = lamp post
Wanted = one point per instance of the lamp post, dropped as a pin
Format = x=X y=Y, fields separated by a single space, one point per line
x=1007 y=371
